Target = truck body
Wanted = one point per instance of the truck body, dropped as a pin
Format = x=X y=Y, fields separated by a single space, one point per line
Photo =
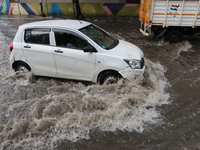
x=170 y=18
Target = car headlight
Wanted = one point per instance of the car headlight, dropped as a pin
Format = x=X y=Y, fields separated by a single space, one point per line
x=135 y=64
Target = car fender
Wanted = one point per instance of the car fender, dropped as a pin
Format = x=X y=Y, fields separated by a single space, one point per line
x=108 y=62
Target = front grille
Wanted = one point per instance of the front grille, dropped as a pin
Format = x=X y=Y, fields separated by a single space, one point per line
x=142 y=63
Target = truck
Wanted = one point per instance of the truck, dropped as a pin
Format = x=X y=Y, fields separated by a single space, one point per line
x=170 y=19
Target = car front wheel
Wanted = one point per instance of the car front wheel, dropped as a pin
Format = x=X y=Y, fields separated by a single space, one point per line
x=109 y=78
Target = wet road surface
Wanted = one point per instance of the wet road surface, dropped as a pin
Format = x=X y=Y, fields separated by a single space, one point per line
x=158 y=111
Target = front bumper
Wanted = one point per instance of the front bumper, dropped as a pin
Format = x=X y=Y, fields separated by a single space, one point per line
x=130 y=74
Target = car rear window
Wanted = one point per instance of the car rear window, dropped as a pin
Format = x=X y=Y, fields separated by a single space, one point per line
x=37 y=36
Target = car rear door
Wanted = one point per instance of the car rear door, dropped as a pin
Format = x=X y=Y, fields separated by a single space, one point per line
x=38 y=51
x=71 y=61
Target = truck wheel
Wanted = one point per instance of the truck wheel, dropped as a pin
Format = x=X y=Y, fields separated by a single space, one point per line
x=109 y=78
x=174 y=36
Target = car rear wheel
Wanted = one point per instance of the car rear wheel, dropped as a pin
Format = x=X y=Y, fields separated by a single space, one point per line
x=109 y=78
x=22 y=67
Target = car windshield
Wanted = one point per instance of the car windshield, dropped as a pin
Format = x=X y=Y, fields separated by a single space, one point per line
x=99 y=36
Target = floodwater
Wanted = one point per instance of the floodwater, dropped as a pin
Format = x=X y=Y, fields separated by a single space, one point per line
x=160 y=110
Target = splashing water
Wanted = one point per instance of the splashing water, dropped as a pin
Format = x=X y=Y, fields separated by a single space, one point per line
x=41 y=112
x=38 y=113
x=184 y=47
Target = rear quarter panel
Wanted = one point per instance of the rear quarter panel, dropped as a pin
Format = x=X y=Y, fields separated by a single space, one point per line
x=17 y=52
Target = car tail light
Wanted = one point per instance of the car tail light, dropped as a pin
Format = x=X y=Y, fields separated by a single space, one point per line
x=11 y=47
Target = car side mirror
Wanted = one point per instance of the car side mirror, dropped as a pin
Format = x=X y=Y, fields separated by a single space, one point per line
x=89 y=48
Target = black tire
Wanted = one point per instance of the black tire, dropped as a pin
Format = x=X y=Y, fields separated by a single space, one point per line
x=22 y=67
x=174 y=36
x=109 y=77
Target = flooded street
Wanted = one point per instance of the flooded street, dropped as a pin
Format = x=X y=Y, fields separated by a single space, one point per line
x=160 y=110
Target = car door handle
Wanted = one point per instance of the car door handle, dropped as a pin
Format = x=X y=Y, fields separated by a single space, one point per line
x=58 y=51
x=27 y=46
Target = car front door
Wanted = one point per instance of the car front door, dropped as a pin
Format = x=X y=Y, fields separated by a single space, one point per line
x=71 y=61
x=38 y=51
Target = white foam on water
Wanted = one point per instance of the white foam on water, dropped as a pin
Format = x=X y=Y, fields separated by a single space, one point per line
x=39 y=113
x=182 y=47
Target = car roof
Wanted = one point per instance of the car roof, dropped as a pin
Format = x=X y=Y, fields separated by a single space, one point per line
x=73 y=24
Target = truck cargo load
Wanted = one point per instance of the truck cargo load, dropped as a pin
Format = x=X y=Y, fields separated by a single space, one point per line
x=170 y=18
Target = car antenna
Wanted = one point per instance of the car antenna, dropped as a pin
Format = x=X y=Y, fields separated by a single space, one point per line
x=80 y=21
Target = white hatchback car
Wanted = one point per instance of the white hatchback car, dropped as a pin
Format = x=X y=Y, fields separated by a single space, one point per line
x=76 y=50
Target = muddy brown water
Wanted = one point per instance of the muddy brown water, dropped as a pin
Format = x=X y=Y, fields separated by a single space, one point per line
x=160 y=110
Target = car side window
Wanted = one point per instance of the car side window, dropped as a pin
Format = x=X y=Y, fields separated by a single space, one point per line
x=61 y=38
x=69 y=40
x=37 y=36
